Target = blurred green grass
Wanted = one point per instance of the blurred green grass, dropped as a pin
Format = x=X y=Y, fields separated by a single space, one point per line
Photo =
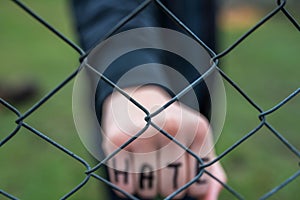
x=265 y=66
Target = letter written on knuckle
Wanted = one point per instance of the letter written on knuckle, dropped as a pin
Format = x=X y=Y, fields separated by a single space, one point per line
x=117 y=173
x=146 y=175
x=175 y=166
x=198 y=168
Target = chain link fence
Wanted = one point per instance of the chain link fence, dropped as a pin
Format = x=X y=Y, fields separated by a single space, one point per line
x=90 y=171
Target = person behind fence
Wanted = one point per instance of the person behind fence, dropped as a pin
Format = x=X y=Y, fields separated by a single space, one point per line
x=143 y=168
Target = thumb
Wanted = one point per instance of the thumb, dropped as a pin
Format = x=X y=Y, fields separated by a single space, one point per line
x=215 y=187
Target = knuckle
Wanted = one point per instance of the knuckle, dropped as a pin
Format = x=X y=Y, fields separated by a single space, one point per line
x=115 y=140
x=172 y=125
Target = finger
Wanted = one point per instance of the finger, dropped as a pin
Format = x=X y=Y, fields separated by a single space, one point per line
x=202 y=147
x=147 y=175
x=120 y=168
x=200 y=187
x=173 y=175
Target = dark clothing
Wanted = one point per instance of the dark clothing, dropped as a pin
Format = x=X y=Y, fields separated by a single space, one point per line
x=94 y=19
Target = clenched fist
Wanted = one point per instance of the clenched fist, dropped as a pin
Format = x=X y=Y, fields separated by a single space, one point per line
x=153 y=164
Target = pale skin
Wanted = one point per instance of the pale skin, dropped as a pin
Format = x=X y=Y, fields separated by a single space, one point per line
x=154 y=164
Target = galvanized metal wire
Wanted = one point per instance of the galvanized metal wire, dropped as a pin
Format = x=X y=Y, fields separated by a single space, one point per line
x=90 y=171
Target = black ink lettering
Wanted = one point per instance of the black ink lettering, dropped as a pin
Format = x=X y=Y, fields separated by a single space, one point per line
x=149 y=176
x=175 y=166
x=201 y=181
x=118 y=172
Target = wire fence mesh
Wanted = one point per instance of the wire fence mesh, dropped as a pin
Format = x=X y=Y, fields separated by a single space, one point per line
x=90 y=171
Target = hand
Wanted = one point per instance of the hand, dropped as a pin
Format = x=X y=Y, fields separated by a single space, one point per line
x=152 y=164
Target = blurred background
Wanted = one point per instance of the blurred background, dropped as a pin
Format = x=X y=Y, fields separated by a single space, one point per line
x=34 y=61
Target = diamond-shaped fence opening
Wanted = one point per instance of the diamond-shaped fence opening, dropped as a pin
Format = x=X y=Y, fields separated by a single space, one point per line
x=90 y=169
